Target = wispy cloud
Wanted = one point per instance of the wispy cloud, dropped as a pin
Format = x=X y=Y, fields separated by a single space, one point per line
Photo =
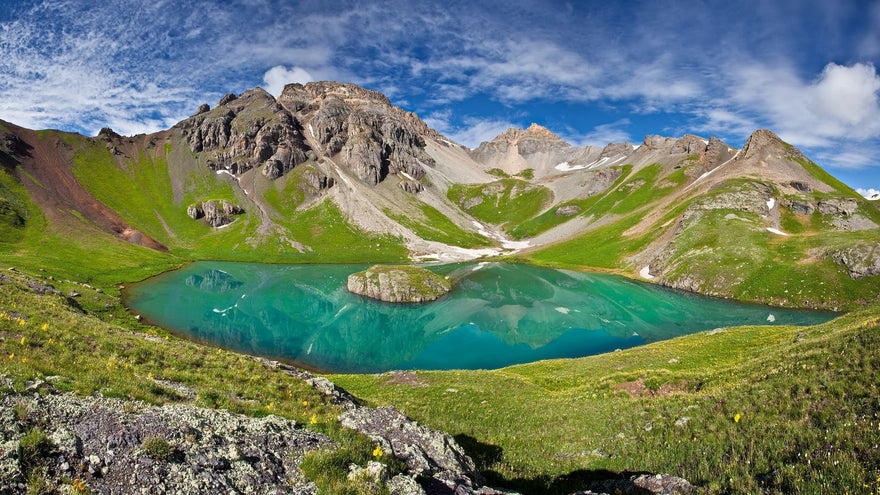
x=601 y=135
x=471 y=131
x=720 y=68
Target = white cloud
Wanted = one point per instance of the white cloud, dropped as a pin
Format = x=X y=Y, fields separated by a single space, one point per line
x=601 y=135
x=471 y=132
x=277 y=77
x=841 y=103
x=869 y=193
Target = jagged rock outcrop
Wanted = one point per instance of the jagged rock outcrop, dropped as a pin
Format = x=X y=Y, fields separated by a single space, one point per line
x=528 y=141
x=245 y=132
x=764 y=142
x=799 y=207
x=372 y=137
x=656 y=142
x=615 y=149
x=215 y=213
x=861 y=260
x=399 y=283
x=838 y=206
x=689 y=145
x=717 y=152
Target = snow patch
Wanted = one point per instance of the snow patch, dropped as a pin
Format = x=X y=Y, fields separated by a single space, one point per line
x=645 y=273
x=406 y=175
x=567 y=167
x=227 y=225
x=515 y=245
x=775 y=231
x=771 y=203
x=562 y=310
x=311 y=130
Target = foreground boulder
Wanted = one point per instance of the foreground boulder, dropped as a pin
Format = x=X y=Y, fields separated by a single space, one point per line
x=117 y=446
x=399 y=283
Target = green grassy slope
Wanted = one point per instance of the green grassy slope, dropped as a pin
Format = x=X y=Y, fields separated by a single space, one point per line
x=151 y=191
x=725 y=251
x=772 y=409
x=431 y=225
x=506 y=202
x=103 y=349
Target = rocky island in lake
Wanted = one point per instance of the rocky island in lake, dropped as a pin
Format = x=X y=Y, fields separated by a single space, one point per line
x=399 y=284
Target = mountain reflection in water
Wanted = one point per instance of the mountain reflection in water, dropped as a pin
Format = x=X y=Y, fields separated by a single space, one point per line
x=497 y=315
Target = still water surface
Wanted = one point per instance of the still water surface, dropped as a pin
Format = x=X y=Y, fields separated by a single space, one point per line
x=496 y=315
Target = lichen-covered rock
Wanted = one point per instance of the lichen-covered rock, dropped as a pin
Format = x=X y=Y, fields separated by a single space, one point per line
x=102 y=442
x=425 y=451
x=799 y=207
x=838 y=206
x=861 y=260
x=399 y=283
x=567 y=210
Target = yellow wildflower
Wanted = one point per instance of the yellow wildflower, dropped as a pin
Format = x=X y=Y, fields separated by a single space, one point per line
x=150 y=375
x=736 y=418
x=22 y=341
x=314 y=419
x=305 y=403
x=271 y=405
x=44 y=327
x=377 y=452
x=22 y=322
x=12 y=355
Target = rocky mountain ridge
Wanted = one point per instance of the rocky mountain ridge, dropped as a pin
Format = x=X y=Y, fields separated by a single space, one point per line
x=269 y=163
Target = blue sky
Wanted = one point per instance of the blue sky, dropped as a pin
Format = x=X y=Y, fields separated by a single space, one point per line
x=592 y=72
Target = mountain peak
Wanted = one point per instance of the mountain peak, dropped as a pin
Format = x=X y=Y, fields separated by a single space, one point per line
x=765 y=141
x=538 y=130
x=535 y=131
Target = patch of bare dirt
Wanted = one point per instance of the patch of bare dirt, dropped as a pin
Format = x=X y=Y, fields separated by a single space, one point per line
x=409 y=378
x=638 y=389
x=57 y=192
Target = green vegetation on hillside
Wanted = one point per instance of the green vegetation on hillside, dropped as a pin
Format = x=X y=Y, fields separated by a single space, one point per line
x=549 y=219
x=749 y=409
x=103 y=349
x=505 y=202
x=435 y=226
x=141 y=191
x=607 y=246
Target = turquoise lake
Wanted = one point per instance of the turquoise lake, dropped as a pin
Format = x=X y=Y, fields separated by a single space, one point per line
x=496 y=315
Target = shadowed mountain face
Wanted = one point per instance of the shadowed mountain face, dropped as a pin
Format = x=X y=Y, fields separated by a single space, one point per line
x=330 y=168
